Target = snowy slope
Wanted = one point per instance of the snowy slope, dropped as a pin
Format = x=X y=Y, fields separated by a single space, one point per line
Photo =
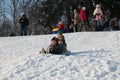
x=94 y=56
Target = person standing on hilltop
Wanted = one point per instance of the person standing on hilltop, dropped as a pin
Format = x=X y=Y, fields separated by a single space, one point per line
x=76 y=20
x=23 y=24
x=99 y=14
x=83 y=18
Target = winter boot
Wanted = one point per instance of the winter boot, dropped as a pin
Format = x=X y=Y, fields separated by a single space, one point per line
x=43 y=51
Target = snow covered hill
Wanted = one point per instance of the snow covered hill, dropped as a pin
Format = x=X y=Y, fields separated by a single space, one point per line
x=94 y=56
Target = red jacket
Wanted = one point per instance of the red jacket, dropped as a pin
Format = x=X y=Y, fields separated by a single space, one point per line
x=61 y=26
x=83 y=16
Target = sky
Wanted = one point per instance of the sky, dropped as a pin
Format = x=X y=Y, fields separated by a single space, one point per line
x=93 y=56
x=5 y=8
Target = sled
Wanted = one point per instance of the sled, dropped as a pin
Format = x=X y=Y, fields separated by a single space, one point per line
x=43 y=51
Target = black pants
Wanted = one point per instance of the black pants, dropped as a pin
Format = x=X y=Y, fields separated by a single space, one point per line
x=83 y=25
x=75 y=28
x=23 y=30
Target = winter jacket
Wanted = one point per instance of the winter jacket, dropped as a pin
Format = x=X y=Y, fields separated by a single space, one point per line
x=83 y=16
x=61 y=26
x=76 y=17
x=63 y=30
x=55 y=49
x=24 y=22
x=55 y=30
x=63 y=48
x=98 y=13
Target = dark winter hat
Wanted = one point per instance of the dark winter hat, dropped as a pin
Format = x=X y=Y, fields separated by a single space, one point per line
x=23 y=15
x=54 y=38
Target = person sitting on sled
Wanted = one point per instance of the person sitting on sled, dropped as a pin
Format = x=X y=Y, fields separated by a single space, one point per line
x=54 y=47
x=64 y=50
x=61 y=36
x=57 y=47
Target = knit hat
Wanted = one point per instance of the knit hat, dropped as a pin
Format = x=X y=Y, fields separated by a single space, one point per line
x=60 y=33
x=54 y=38
x=75 y=11
x=23 y=15
x=60 y=25
x=97 y=6
x=83 y=8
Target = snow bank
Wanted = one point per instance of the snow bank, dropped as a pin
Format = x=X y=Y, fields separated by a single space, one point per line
x=94 y=56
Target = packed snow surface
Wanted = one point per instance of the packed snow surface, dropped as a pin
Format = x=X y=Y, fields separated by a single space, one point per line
x=94 y=56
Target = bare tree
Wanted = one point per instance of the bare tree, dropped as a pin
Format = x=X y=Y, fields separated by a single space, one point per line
x=16 y=9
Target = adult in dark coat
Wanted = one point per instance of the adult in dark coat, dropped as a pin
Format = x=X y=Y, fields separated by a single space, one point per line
x=23 y=24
